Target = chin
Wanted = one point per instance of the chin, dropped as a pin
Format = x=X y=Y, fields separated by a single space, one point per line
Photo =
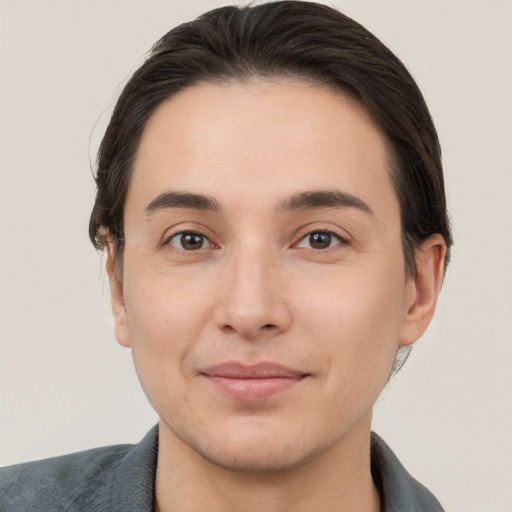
x=257 y=451
x=257 y=459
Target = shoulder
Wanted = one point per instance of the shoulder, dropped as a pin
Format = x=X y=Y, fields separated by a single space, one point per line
x=61 y=483
x=112 y=479
x=398 y=489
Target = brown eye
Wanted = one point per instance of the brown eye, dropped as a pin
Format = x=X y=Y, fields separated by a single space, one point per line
x=319 y=240
x=189 y=241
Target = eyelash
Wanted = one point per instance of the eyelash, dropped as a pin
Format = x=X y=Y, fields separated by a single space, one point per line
x=332 y=234
x=168 y=241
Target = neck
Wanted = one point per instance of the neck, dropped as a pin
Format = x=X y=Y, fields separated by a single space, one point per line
x=339 y=479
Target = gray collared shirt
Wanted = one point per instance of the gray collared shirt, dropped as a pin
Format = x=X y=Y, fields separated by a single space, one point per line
x=122 y=478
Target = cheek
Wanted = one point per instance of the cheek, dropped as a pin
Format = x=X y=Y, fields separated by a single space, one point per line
x=163 y=304
x=166 y=317
x=355 y=321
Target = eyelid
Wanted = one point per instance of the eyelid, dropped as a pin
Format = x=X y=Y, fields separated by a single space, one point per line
x=171 y=233
x=341 y=235
x=306 y=231
x=205 y=240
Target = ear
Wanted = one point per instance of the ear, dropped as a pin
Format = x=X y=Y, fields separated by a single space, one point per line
x=423 y=289
x=117 y=299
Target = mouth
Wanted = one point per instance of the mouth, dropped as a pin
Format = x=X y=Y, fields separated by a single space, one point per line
x=252 y=383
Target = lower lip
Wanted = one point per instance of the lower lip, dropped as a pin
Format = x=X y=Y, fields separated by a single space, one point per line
x=253 y=390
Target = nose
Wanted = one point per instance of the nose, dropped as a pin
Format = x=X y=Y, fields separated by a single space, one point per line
x=253 y=302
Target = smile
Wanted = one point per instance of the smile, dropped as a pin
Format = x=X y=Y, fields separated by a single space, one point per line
x=252 y=383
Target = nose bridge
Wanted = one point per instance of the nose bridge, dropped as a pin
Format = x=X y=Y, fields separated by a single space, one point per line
x=253 y=298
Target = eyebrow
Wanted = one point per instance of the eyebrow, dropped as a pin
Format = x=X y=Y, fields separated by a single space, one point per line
x=169 y=200
x=302 y=201
x=324 y=199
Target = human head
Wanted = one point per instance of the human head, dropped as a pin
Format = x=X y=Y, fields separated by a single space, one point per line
x=263 y=235
x=288 y=39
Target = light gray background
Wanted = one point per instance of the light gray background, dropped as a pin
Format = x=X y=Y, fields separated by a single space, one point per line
x=66 y=385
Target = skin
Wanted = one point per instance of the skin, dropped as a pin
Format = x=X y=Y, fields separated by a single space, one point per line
x=257 y=290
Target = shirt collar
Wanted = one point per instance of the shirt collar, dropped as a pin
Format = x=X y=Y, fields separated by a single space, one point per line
x=133 y=484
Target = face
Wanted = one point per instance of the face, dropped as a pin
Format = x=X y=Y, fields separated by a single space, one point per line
x=263 y=290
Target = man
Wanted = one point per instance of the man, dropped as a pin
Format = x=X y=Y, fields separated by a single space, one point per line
x=271 y=201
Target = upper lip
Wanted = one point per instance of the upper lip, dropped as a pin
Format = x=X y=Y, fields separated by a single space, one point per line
x=234 y=370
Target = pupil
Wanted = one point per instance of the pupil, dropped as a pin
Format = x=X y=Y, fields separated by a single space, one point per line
x=191 y=241
x=320 y=240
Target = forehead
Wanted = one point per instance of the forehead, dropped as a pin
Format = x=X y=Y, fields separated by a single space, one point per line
x=261 y=142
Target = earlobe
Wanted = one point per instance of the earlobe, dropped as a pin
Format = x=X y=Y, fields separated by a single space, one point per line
x=423 y=289
x=117 y=299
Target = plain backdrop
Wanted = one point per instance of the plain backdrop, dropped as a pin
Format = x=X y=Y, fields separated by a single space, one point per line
x=66 y=385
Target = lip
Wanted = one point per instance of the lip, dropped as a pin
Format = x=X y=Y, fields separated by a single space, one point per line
x=252 y=383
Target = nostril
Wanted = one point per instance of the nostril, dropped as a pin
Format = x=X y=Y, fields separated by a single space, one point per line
x=269 y=326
